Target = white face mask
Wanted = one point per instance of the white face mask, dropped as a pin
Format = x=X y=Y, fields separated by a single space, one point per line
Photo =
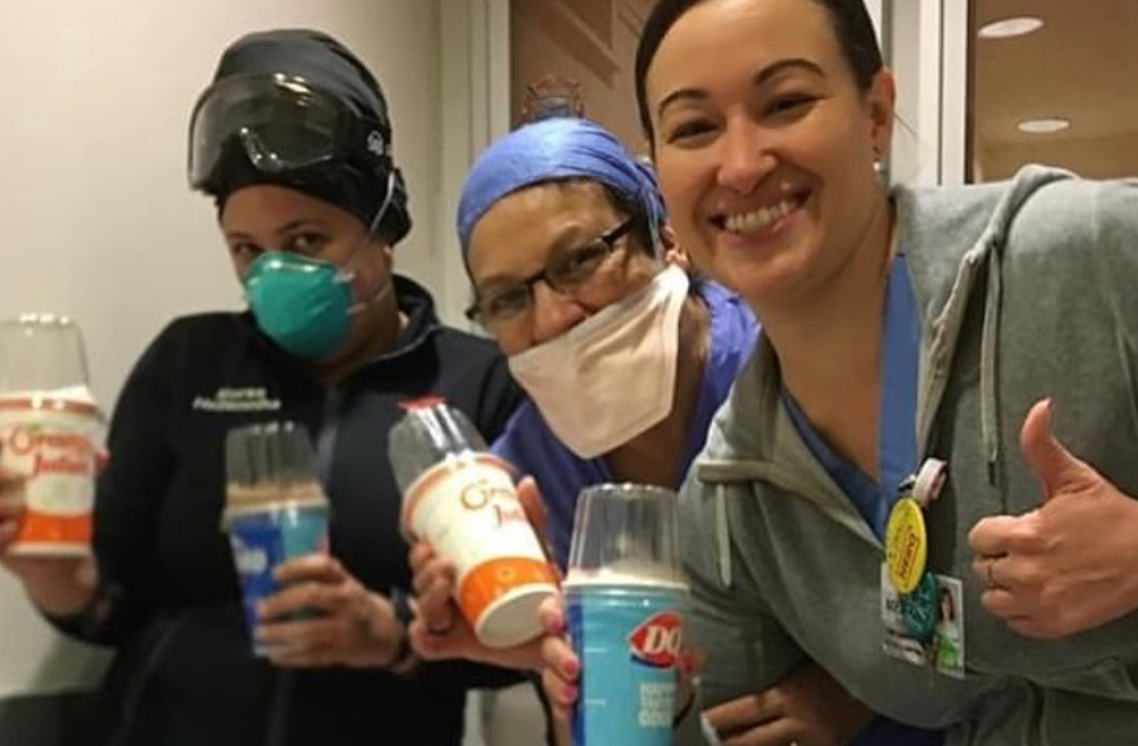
x=612 y=376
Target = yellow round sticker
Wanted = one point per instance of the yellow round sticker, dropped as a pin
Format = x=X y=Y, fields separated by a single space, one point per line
x=906 y=545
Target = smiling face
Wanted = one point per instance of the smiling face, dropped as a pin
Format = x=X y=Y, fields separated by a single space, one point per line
x=765 y=145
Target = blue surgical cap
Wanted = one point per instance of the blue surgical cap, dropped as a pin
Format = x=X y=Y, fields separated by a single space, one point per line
x=551 y=150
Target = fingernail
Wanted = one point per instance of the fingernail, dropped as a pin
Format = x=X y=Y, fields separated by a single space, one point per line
x=572 y=668
x=568 y=695
x=556 y=624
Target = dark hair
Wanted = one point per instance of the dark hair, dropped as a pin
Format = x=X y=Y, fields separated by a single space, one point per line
x=852 y=26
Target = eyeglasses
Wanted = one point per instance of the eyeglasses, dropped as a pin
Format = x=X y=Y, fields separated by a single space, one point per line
x=566 y=274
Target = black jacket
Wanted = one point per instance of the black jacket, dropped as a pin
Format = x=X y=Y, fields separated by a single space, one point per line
x=170 y=602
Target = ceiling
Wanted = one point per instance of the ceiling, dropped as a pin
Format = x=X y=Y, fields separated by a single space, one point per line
x=1082 y=65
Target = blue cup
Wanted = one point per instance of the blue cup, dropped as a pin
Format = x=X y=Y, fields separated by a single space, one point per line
x=625 y=599
x=628 y=637
x=266 y=536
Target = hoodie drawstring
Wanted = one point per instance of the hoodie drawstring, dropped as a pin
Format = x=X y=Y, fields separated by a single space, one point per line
x=989 y=406
x=723 y=534
x=991 y=248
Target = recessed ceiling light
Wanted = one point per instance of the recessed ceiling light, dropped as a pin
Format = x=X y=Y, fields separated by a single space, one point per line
x=1009 y=27
x=1043 y=126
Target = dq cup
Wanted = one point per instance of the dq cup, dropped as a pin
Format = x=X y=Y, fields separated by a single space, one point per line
x=49 y=431
x=266 y=536
x=466 y=507
x=276 y=510
x=625 y=600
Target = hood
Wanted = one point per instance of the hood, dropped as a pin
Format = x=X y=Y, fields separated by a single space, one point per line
x=955 y=240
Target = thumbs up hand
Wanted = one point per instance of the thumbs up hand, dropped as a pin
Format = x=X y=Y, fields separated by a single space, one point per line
x=1070 y=565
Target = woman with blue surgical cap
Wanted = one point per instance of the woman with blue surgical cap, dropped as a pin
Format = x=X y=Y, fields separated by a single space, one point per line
x=624 y=354
x=293 y=142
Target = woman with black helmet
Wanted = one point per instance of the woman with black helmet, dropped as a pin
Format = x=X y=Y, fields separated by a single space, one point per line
x=293 y=141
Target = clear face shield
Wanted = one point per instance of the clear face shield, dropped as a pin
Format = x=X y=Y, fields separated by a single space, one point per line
x=281 y=122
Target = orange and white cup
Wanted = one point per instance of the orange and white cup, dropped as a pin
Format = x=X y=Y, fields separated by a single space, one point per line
x=466 y=507
x=51 y=440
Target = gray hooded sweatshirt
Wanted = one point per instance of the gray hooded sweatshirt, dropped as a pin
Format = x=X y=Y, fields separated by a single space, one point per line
x=1026 y=289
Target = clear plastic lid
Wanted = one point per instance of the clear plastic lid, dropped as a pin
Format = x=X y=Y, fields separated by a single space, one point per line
x=42 y=353
x=626 y=533
x=269 y=463
x=429 y=432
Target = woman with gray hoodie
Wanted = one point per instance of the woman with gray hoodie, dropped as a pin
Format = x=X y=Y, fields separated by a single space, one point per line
x=928 y=359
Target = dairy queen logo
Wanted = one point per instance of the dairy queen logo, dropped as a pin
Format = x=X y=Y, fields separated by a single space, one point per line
x=656 y=642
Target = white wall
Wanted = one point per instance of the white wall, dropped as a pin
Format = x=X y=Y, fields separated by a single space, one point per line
x=98 y=222
x=474 y=53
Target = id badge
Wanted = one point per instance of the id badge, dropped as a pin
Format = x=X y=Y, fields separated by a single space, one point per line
x=945 y=651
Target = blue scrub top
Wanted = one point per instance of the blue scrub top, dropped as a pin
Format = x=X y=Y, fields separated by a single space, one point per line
x=897 y=428
x=531 y=446
x=897 y=454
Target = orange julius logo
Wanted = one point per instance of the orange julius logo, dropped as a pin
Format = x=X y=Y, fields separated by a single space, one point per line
x=480 y=493
x=52 y=451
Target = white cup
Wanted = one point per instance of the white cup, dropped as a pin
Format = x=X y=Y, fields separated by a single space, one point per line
x=50 y=428
x=467 y=509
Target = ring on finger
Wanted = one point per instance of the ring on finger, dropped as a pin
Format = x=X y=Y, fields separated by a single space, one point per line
x=438 y=630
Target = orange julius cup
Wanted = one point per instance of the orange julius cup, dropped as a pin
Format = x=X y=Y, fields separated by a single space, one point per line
x=465 y=506
x=49 y=431
x=49 y=438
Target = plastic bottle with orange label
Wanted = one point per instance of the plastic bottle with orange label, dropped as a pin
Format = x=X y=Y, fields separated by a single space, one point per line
x=460 y=499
